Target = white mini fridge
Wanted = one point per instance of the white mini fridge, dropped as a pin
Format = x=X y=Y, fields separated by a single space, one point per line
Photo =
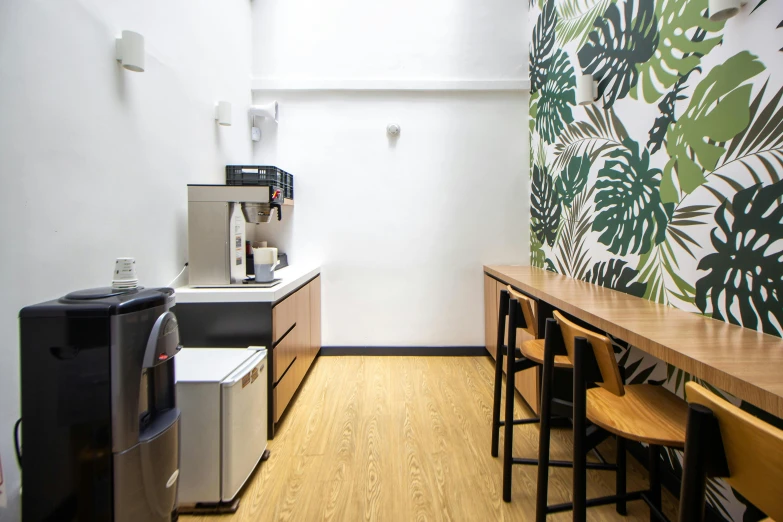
x=222 y=394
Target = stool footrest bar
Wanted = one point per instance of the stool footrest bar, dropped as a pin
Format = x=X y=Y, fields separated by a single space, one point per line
x=600 y=501
x=518 y=422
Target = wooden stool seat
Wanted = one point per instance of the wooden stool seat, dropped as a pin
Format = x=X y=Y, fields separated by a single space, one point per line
x=645 y=413
x=534 y=350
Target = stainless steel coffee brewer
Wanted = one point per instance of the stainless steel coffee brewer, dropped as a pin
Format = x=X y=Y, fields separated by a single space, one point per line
x=217 y=215
x=100 y=426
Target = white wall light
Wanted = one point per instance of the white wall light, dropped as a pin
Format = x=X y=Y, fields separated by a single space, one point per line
x=268 y=111
x=223 y=113
x=130 y=51
x=586 y=89
x=721 y=10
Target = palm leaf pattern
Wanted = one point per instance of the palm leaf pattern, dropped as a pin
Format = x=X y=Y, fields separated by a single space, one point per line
x=630 y=216
x=545 y=207
x=576 y=18
x=744 y=272
x=762 y=139
x=678 y=52
x=573 y=179
x=693 y=143
x=557 y=98
x=617 y=275
x=667 y=117
x=542 y=45
x=594 y=138
x=622 y=40
x=574 y=258
x=642 y=220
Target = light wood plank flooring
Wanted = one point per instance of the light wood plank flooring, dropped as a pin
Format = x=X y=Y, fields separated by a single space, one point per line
x=406 y=439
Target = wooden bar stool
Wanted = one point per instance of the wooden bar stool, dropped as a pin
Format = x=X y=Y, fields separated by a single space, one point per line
x=519 y=309
x=724 y=441
x=641 y=412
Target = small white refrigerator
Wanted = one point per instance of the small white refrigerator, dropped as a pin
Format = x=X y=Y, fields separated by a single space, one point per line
x=222 y=394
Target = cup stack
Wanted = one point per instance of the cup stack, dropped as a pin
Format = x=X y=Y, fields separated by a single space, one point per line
x=125 y=274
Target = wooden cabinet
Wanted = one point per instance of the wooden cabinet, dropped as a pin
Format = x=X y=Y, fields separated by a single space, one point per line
x=293 y=320
x=527 y=382
x=315 y=316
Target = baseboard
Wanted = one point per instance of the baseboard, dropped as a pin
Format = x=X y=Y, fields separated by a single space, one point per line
x=421 y=351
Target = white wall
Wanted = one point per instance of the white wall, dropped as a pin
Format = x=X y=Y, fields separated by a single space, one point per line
x=95 y=159
x=403 y=39
x=401 y=228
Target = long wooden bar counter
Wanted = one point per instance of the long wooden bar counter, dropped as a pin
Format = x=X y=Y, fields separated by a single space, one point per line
x=743 y=362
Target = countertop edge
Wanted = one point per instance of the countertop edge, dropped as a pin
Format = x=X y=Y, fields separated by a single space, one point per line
x=189 y=295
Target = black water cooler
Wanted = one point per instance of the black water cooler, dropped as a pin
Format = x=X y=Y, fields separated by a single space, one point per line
x=100 y=427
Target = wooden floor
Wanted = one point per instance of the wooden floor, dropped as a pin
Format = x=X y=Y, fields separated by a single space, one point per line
x=406 y=439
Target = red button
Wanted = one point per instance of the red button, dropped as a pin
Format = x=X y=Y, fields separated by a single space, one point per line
x=162 y=357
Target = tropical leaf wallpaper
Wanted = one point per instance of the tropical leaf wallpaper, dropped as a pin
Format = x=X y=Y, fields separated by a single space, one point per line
x=669 y=187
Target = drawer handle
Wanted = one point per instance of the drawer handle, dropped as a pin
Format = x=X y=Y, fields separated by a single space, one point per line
x=286 y=371
x=283 y=336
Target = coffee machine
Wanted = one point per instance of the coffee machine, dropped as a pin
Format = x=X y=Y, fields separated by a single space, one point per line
x=217 y=215
x=100 y=426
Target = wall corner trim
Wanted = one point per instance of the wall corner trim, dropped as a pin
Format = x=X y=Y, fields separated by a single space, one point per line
x=343 y=84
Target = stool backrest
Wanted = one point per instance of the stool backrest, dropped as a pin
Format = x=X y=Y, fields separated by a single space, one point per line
x=754 y=451
x=528 y=311
x=602 y=349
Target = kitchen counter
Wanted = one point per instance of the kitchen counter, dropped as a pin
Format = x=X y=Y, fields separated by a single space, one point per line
x=292 y=277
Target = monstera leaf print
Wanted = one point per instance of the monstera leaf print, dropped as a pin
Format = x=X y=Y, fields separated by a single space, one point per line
x=667 y=117
x=557 y=98
x=683 y=42
x=575 y=19
x=541 y=46
x=718 y=110
x=537 y=255
x=623 y=39
x=573 y=179
x=630 y=213
x=545 y=207
x=744 y=272
x=616 y=275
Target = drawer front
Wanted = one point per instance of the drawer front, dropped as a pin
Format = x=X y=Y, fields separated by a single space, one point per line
x=283 y=317
x=284 y=390
x=284 y=353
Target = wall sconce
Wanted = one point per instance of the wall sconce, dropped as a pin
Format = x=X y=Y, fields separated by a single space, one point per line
x=586 y=89
x=223 y=113
x=722 y=10
x=268 y=111
x=130 y=51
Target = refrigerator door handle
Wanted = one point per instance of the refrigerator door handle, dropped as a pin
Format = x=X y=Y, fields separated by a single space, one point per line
x=243 y=371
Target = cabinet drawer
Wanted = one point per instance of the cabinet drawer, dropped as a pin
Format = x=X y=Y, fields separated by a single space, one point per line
x=283 y=392
x=284 y=353
x=283 y=317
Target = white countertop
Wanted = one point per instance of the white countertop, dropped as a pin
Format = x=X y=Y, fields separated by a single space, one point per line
x=292 y=278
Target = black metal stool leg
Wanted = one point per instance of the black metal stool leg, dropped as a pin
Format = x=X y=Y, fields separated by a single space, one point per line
x=547 y=374
x=502 y=313
x=508 y=435
x=655 y=480
x=580 y=427
x=620 y=479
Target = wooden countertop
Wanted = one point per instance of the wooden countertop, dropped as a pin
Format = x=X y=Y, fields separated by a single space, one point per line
x=741 y=361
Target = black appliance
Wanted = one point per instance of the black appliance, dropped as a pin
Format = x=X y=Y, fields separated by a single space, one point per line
x=100 y=426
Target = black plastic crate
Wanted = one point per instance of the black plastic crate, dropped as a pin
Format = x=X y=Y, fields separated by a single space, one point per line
x=288 y=185
x=254 y=175
x=264 y=175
